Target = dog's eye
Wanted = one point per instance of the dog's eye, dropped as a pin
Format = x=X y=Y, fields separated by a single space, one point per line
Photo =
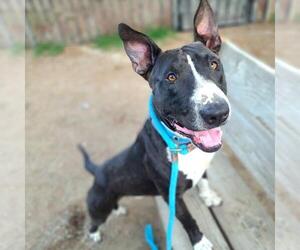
x=214 y=65
x=172 y=77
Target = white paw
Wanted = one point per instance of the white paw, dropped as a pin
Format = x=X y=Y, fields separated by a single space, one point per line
x=204 y=244
x=96 y=236
x=120 y=211
x=209 y=196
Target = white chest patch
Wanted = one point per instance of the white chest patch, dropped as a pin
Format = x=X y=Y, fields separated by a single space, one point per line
x=194 y=164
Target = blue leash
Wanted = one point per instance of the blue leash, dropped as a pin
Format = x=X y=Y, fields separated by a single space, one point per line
x=179 y=147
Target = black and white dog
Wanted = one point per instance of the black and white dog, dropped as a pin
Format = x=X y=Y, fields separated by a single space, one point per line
x=189 y=97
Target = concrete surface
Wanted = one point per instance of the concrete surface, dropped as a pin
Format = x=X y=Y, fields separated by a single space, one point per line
x=12 y=151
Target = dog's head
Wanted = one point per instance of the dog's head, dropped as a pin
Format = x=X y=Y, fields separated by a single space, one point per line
x=188 y=83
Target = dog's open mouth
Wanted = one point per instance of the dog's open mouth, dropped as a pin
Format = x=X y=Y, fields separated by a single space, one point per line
x=207 y=140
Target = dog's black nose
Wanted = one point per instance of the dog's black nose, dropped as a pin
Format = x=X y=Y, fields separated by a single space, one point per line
x=215 y=114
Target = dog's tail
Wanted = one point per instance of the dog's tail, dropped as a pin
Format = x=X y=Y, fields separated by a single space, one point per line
x=88 y=164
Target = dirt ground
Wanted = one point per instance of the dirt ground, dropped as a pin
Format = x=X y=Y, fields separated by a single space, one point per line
x=287 y=43
x=92 y=97
x=82 y=96
x=257 y=39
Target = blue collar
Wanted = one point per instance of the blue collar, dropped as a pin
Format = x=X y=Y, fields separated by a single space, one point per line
x=174 y=141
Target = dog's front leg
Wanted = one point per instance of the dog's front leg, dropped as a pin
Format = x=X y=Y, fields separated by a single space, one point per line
x=198 y=240
x=209 y=196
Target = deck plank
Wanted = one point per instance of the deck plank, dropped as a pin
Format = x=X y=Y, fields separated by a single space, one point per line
x=287 y=128
x=204 y=220
x=287 y=223
x=287 y=156
x=250 y=132
x=244 y=220
x=246 y=223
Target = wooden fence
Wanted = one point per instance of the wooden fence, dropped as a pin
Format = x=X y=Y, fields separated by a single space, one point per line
x=228 y=12
x=76 y=21
x=12 y=22
x=287 y=10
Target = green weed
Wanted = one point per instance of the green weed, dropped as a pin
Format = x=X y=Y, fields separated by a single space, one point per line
x=114 y=41
x=48 y=48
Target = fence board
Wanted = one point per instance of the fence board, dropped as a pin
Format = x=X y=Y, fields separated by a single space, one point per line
x=88 y=29
x=227 y=12
x=5 y=35
x=52 y=14
x=12 y=23
x=29 y=37
x=94 y=16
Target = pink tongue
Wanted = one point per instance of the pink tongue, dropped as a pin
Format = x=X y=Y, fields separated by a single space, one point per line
x=209 y=138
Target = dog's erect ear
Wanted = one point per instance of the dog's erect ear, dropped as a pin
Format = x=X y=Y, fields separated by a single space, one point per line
x=141 y=50
x=205 y=27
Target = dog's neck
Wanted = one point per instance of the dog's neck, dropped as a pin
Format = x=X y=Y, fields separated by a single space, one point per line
x=163 y=130
x=176 y=136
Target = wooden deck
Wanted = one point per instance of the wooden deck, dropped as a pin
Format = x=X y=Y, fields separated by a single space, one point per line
x=287 y=157
x=243 y=172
